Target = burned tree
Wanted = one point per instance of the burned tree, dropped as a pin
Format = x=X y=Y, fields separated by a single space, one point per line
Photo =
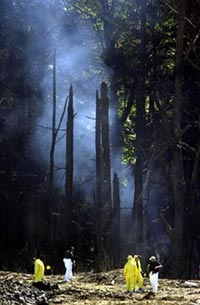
x=99 y=229
x=116 y=221
x=69 y=169
x=176 y=152
x=50 y=202
x=140 y=136
x=103 y=182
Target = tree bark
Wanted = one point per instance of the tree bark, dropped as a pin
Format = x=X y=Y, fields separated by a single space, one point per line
x=176 y=153
x=103 y=182
x=106 y=177
x=99 y=214
x=140 y=135
x=69 y=170
x=193 y=228
x=116 y=222
x=51 y=165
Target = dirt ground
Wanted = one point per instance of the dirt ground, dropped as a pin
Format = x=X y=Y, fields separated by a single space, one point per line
x=93 y=289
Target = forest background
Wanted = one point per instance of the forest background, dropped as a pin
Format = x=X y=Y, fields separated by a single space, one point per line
x=99 y=138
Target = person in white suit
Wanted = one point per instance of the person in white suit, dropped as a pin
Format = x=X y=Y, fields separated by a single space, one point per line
x=68 y=262
x=153 y=269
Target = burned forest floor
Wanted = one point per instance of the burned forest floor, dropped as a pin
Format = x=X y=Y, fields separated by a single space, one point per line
x=93 y=289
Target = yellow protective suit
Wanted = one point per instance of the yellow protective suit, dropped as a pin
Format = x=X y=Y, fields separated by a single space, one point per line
x=38 y=270
x=138 y=273
x=129 y=274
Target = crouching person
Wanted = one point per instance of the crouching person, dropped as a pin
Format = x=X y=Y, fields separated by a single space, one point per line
x=39 y=270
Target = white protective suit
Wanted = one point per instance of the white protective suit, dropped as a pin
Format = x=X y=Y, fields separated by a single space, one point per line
x=153 y=278
x=154 y=268
x=68 y=266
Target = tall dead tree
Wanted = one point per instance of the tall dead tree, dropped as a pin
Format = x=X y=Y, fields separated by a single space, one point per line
x=103 y=181
x=106 y=176
x=173 y=136
x=51 y=164
x=51 y=206
x=99 y=228
x=193 y=223
x=116 y=222
x=69 y=169
x=176 y=153
x=140 y=135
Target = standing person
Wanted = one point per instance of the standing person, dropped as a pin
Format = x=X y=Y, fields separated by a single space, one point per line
x=74 y=265
x=68 y=261
x=153 y=270
x=38 y=270
x=129 y=274
x=139 y=277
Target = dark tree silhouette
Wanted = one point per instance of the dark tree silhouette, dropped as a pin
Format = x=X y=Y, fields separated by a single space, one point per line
x=69 y=170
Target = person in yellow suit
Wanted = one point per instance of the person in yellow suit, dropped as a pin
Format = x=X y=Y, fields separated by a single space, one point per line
x=138 y=274
x=129 y=272
x=38 y=270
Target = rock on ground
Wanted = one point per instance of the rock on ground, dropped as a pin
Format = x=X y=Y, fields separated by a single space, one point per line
x=93 y=289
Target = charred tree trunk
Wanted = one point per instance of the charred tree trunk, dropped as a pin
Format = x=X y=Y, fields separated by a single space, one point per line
x=100 y=244
x=68 y=206
x=173 y=135
x=193 y=228
x=103 y=182
x=140 y=135
x=53 y=138
x=116 y=222
x=154 y=78
x=176 y=153
x=106 y=177
x=51 y=166
x=107 y=11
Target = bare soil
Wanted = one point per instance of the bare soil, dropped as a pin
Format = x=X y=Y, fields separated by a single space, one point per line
x=93 y=289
